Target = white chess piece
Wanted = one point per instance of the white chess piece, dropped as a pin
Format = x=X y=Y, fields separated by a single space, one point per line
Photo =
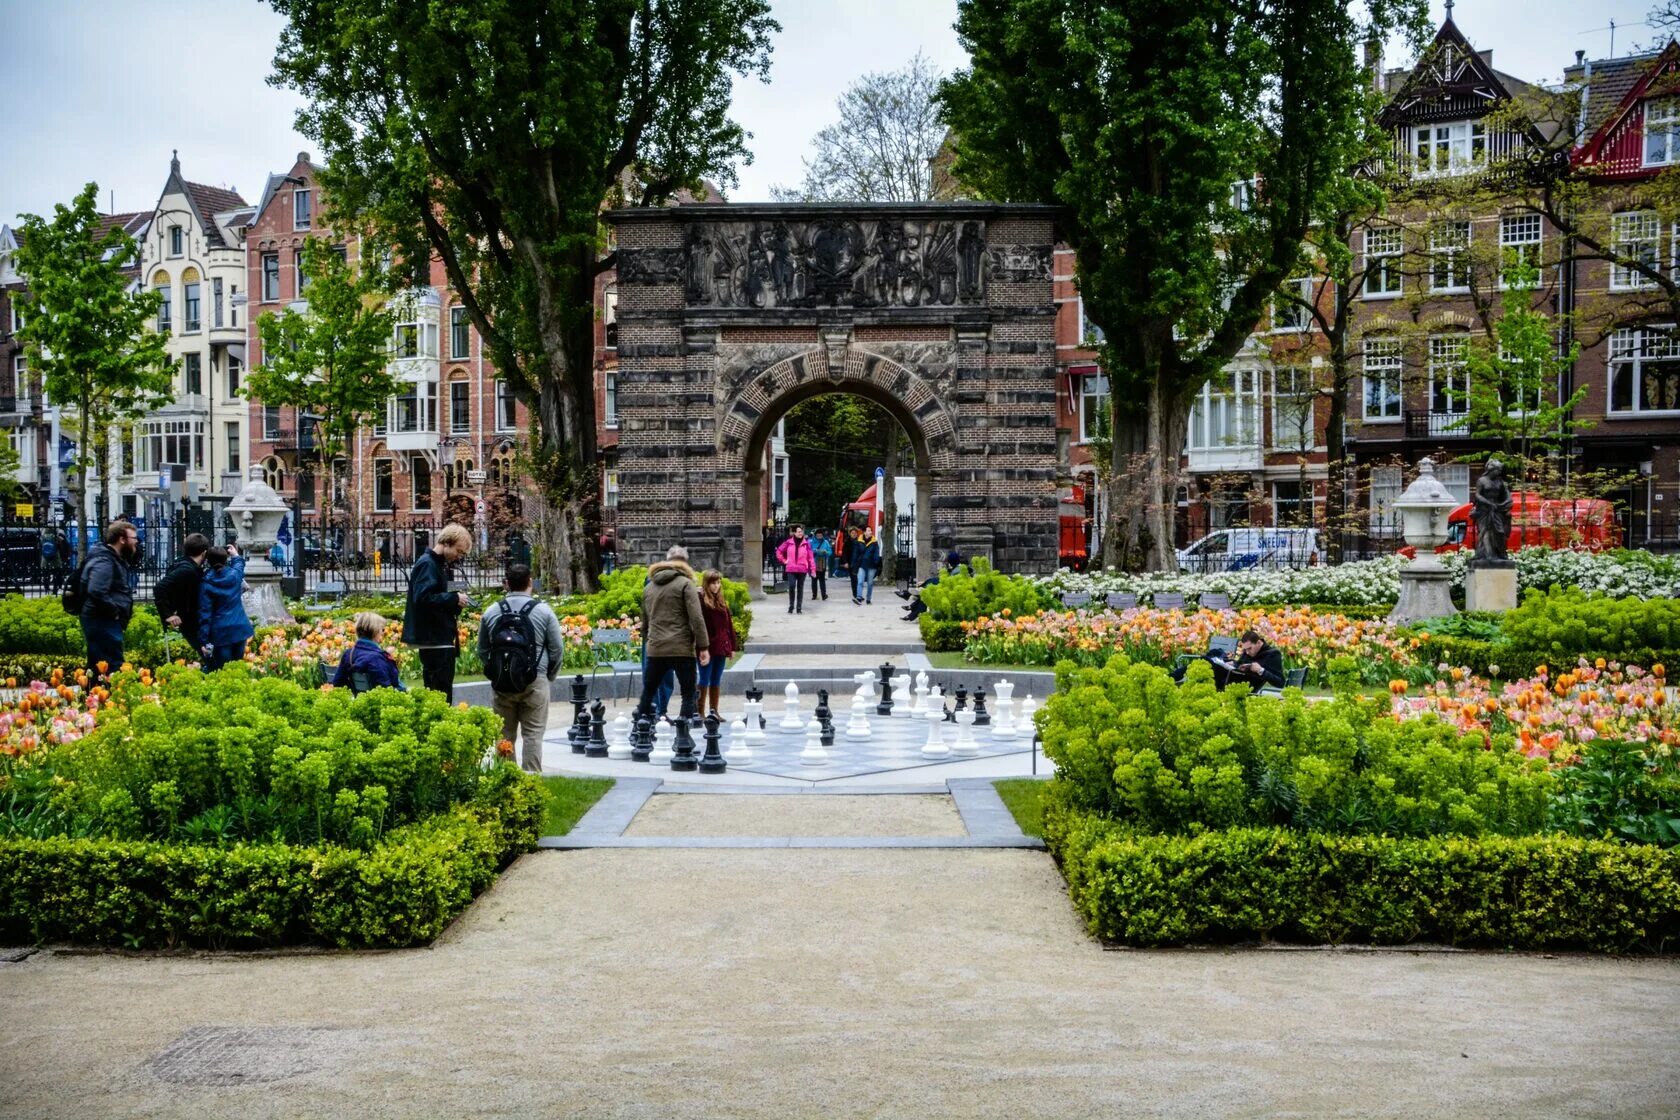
x=790 y=715
x=966 y=744
x=866 y=685
x=814 y=754
x=755 y=733
x=664 y=735
x=921 y=693
x=1028 y=708
x=858 y=726
x=1003 y=717
x=618 y=740
x=739 y=751
x=935 y=746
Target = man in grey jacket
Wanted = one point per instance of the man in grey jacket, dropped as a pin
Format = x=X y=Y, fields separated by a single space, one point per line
x=525 y=711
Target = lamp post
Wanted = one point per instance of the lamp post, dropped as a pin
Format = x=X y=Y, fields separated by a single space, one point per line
x=1425 y=586
x=258 y=511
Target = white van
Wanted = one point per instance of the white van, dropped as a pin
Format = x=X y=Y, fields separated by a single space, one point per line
x=1237 y=550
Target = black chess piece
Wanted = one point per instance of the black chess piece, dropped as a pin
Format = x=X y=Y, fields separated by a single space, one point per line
x=712 y=762
x=578 y=734
x=884 y=708
x=982 y=718
x=950 y=712
x=826 y=736
x=962 y=699
x=822 y=714
x=597 y=745
x=683 y=759
x=641 y=739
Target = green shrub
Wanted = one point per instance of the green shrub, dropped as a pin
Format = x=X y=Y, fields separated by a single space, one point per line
x=941 y=635
x=964 y=597
x=40 y=626
x=1564 y=623
x=1538 y=892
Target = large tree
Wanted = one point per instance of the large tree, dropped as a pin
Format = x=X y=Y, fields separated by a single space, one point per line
x=1191 y=144
x=87 y=330
x=491 y=134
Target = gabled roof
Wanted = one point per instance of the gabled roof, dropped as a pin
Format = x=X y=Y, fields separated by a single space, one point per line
x=1450 y=81
x=206 y=202
x=1612 y=87
x=276 y=180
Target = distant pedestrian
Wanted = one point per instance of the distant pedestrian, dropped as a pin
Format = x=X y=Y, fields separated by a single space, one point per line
x=675 y=629
x=798 y=561
x=104 y=596
x=609 y=553
x=176 y=594
x=823 y=550
x=854 y=554
x=367 y=664
x=223 y=625
x=522 y=648
x=720 y=633
x=867 y=560
x=434 y=606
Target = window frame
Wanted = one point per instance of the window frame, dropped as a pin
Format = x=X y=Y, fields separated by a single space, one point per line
x=508 y=402
x=177 y=242
x=1620 y=353
x=192 y=373
x=272 y=421
x=388 y=466
x=268 y=269
x=1463 y=142
x=1625 y=239
x=234 y=369
x=1387 y=270
x=1446 y=370
x=1237 y=409
x=609 y=398
x=1095 y=394
x=1456 y=257
x=1392 y=348
x=230 y=434
x=1383 y=521
x=1527 y=249
x=307 y=197
x=460 y=330
x=460 y=408
x=1283 y=311
x=1670 y=109
x=192 y=306
x=166 y=308
x=1308 y=434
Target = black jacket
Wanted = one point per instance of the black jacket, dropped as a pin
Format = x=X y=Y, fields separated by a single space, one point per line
x=110 y=594
x=177 y=594
x=1270 y=660
x=432 y=607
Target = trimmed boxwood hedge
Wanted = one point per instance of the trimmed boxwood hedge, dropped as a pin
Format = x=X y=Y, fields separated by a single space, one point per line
x=403 y=891
x=1535 y=892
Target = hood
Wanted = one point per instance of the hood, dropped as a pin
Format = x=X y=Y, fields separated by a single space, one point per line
x=665 y=571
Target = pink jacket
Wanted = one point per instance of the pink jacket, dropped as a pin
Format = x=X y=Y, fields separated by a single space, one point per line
x=796 y=556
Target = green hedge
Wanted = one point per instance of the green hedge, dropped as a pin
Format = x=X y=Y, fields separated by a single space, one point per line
x=941 y=635
x=403 y=891
x=1536 y=892
x=40 y=626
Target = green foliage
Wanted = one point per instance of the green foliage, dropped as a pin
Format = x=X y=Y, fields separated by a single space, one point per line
x=40 y=626
x=1564 y=622
x=980 y=590
x=1621 y=791
x=940 y=635
x=835 y=441
x=1534 y=892
x=1481 y=626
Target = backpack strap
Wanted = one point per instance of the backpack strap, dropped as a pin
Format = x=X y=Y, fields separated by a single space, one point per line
x=525 y=611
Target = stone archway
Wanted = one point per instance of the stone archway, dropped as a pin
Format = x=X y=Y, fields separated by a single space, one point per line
x=943 y=314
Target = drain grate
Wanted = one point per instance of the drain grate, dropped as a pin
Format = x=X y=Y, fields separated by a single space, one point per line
x=210 y=1055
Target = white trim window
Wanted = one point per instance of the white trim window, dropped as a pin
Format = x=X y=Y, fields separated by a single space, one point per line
x=17 y=315
x=303 y=209
x=1456 y=478
x=1383 y=248
x=1294 y=425
x=1244 y=192
x=177 y=241
x=1519 y=240
x=460 y=334
x=1090 y=335
x=1449 y=384
x=1291 y=312
x=1094 y=407
x=1644 y=372
x=1449 y=257
x=609 y=317
x=270 y=277
x=1450 y=148
x=1382 y=379
x=609 y=489
x=507 y=407
x=609 y=398
x=192 y=307
x=414 y=337
x=1386 y=483
x=1226 y=413
x=460 y=408
x=1634 y=235
x=20 y=376
x=1662 y=133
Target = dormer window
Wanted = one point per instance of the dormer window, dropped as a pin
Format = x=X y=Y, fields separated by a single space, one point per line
x=1449 y=149
x=1662 y=133
x=301 y=212
x=176 y=241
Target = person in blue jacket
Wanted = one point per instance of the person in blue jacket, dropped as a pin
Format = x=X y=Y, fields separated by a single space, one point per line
x=224 y=627
x=366 y=664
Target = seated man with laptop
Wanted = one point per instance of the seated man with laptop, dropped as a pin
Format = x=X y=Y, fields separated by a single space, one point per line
x=1257 y=665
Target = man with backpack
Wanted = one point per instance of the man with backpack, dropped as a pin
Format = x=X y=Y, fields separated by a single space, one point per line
x=101 y=594
x=522 y=649
x=176 y=594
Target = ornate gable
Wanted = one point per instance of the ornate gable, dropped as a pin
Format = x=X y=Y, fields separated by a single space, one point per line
x=1450 y=82
x=1615 y=148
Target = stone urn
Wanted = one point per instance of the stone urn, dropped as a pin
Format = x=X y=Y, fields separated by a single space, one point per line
x=258 y=512
x=1425 y=585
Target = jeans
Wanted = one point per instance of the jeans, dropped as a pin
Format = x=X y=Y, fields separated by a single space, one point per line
x=525 y=713
x=221 y=655
x=710 y=675
x=662 y=692
x=658 y=667
x=609 y=563
x=796 y=591
x=437 y=670
x=866 y=585
x=854 y=574
x=104 y=637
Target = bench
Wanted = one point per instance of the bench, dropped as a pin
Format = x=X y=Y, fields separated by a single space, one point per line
x=1214 y=601
x=336 y=589
x=1075 y=599
x=1169 y=600
x=1292 y=678
x=1122 y=600
x=603 y=642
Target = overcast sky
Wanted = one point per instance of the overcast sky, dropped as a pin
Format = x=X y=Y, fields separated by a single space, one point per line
x=104 y=89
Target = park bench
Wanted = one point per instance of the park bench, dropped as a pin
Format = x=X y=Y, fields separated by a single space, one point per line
x=1214 y=601
x=1075 y=599
x=1121 y=600
x=604 y=642
x=1169 y=600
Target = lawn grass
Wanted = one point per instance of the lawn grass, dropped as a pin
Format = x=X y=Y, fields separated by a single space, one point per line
x=1024 y=796
x=569 y=799
x=953 y=659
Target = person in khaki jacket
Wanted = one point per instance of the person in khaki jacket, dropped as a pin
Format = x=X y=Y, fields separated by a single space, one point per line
x=675 y=628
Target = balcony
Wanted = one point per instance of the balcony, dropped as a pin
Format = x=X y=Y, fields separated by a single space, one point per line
x=299 y=442
x=1437 y=425
x=12 y=405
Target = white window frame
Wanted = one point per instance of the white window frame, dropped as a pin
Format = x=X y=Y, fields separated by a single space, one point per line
x=1448 y=374
x=1449 y=243
x=1389 y=248
x=270 y=280
x=1385 y=491
x=17 y=315
x=307 y=198
x=230 y=430
x=235 y=371
x=192 y=306
x=504 y=394
x=20 y=376
x=609 y=317
x=166 y=308
x=1093 y=402
x=1244 y=194
x=609 y=489
x=466 y=397
x=1633 y=347
x=609 y=398
x=1308 y=503
x=1385 y=359
x=1448 y=148
x=1288 y=406
x=1664 y=113
x=1521 y=235
x=1289 y=317
x=177 y=241
x=1226 y=416
x=1090 y=335
x=1635 y=234
x=1456 y=478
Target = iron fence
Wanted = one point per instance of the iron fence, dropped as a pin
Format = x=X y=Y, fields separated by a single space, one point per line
x=374 y=554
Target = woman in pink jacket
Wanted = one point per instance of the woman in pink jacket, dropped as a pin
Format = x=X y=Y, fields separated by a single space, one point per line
x=798 y=561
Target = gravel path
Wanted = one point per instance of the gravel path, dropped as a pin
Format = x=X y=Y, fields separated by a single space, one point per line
x=780 y=984
x=675 y=814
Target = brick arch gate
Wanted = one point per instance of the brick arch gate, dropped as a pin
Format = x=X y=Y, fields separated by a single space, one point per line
x=941 y=313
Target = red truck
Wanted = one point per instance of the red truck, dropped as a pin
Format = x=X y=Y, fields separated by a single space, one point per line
x=1588 y=524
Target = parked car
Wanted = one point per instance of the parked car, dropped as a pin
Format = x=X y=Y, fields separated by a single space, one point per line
x=1588 y=524
x=1237 y=550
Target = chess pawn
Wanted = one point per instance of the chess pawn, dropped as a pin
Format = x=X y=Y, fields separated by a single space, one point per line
x=663 y=736
x=618 y=743
x=935 y=746
x=641 y=738
x=790 y=703
x=597 y=745
x=982 y=718
x=683 y=758
x=966 y=744
x=739 y=752
x=712 y=761
x=858 y=727
x=813 y=754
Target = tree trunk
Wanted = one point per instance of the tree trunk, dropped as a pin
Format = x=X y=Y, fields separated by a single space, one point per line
x=1142 y=487
x=1335 y=446
x=563 y=469
x=81 y=482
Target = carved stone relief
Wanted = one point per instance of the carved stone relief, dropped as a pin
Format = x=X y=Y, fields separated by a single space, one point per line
x=662 y=265
x=1020 y=263
x=934 y=362
x=738 y=363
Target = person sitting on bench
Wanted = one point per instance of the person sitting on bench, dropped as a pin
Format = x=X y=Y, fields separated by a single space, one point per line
x=1258 y=664
x=366 y=665
x=953 y=561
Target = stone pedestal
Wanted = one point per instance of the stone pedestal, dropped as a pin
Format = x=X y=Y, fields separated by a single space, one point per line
x=1490 y=589
x=1425 y=592
x=262 y=597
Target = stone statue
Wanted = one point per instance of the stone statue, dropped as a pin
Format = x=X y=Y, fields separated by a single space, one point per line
x=1490 y=509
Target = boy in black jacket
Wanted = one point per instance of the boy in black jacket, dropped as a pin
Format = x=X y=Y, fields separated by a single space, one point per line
x=429 y=622
x=176 y=594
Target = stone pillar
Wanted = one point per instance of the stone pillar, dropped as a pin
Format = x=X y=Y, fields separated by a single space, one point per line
x=1490 y=588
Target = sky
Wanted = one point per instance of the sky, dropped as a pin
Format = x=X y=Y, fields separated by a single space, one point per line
x=104 y=90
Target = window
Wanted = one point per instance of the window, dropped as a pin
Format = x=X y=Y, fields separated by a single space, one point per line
x=460 y=338
x=233 y=310
x=1449 y=149
x=609 y=394
x=231 y=430
x=609 y=489
x=270 y=277
x=191 y=305
x=420 y=474
x=1449 y=384
x=1644 y=371
x=300 y=279
x=273 y=473
x=192 y=368
x=507 y=414
x=20 y=376
x=460 y=410
x=1290 y=307
x=1662 y=133
x=1226 y=413
x=1094 y=411
x=235 y=370
x=215 y=301
x=1383 y=247
x=609 y=317
x=414 y=338
x=1292 y=504
x=1090 y=335
x=1449 y=258
x=384 y=493
x=1243 y=193
x=1635 y=237
x=1382 y=379
x=168 y=441
x=166 y=309
x=17 y=316
x=1456 y=478
x=271 y=422
x=1524 y=386
x=1385 y=491
x=1293 y=428
x=1519 y=239
x=301 y=208
x=177 y=241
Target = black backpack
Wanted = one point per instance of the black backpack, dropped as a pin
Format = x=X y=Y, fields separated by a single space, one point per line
x=510 y=649
x=74 y=595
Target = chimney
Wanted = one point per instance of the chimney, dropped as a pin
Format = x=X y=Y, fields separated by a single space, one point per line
x=303 y=157
x=1373 y=62
x=1579 y=56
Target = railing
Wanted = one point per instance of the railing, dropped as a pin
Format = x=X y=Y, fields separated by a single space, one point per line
x=1424 y=425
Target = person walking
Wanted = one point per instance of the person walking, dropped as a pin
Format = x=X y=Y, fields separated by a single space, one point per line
x=823 y=552
x=675 y=629
x=223 y=625
x=720 y=634
x=522 y=648
x=854 y=553
x=176 y=594
x=609 y=553
x=434 y=606
x=103 y=597
x=367 y=664
x=867 y=561
x=798 y=561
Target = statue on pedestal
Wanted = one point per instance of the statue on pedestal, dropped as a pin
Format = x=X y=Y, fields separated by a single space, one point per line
x=1491 y=511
